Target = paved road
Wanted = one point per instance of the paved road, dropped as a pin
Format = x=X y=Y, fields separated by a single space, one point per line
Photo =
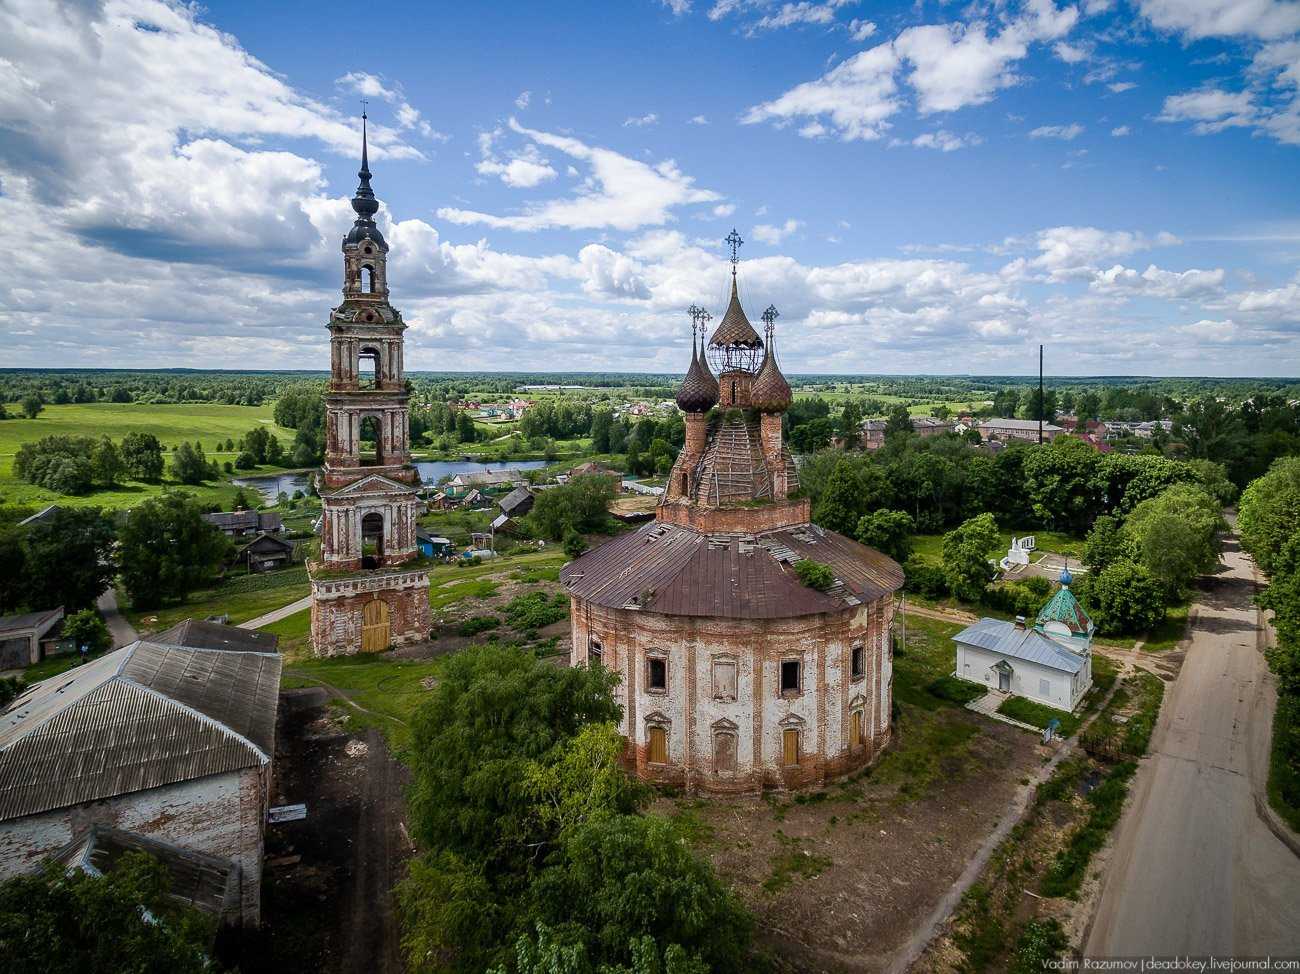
x=123 y=632
x=276 y=615
x=1195 y=870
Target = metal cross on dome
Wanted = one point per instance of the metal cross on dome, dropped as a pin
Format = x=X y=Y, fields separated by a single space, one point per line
x=734 y=240
x=769 y=318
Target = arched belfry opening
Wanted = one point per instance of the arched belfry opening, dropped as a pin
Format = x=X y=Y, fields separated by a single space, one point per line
x=368 y=367
x=367 y=279
x=372 y=540
x=372 y=442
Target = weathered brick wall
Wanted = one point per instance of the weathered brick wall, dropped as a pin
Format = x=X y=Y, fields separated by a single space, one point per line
x=695 y=717
x=221 y=815
x=741 y=520
x=338 y=604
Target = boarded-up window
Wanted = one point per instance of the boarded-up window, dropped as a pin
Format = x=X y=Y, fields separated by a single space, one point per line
x=790 y=746
x=855 y=728
x=724 y=751
x=656 y=674
x=790 y=676
x=724 y=679
x=1044 y=687
x=859 y=667
x=658 y=745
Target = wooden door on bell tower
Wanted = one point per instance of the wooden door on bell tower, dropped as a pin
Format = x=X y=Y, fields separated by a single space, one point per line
x=374 y=627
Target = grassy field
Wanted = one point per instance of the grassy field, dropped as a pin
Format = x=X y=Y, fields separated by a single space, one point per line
x=172 y=424
x=929 y=547
x=234 y=600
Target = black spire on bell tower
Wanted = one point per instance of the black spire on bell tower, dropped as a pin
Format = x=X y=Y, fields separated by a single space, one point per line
x=363 y=202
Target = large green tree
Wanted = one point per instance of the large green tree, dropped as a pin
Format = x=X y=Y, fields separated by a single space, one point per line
x=143 y=455
x=167 y=550
x=69 y=558
x=61 y=921
x=1125 y=598
x=493 y=711
x=1269 y=511
x=581 y=505
x=888 y=531
x=966 y=551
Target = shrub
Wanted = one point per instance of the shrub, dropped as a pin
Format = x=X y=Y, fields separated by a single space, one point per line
x=814 y=574
x=86 y=628
x=924 y=579
x=1041 y=941
x=478 y=624
x=528 y=613
x=1124 y=598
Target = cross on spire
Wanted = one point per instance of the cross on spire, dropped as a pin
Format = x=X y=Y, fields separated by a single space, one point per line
x=735 y=241
x=769 y=318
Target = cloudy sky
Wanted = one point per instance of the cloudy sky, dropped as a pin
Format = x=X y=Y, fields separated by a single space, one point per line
x=922 y=186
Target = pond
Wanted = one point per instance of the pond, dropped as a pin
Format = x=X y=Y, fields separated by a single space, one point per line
x=431 y=471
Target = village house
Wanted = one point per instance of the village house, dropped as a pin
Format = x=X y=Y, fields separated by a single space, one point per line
x=1049 y=663
x=1026 y=430
x=28 y=638
x=264 y=553
x=432 y=546
x=517 y=503
x=169 y=743
x=485 y=480
x=873 y=430
x=238 y=524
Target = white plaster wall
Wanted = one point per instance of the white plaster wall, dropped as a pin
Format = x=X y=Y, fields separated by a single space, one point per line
x=1025 y=676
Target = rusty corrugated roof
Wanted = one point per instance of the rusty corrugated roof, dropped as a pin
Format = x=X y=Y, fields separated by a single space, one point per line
x=676 y=571
x=144 y=716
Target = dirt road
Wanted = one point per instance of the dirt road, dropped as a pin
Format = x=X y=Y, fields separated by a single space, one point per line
x=328 y=904
x=1195 y=869
x=122 y=632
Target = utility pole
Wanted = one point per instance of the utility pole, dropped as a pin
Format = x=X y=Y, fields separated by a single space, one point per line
x=1041 y=404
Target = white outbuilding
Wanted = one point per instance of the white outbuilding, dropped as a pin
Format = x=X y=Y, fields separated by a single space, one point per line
x=1049 y=662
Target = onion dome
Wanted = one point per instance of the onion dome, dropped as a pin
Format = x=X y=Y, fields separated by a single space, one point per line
x=1066 y=577
x=698 y=392
x=364 y=203
x=770 y=392
x=735 y=344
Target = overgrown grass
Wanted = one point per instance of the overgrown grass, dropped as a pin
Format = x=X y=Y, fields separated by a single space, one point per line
x=1039 y=714
x=928 y=657
x=391 y=689
x=1105 y=802
x=239 y=606
x=793 y=861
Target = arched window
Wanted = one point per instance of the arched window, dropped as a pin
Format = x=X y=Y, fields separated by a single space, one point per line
x=368 y=372
x=372 y=540
x=367 y=279
x=371 y=450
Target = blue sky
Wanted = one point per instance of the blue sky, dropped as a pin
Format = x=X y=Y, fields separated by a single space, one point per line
x=922 y=187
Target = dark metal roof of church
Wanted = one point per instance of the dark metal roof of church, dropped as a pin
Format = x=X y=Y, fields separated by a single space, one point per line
x=672 y=570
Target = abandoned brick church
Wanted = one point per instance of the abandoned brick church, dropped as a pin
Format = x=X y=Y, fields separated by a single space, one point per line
x=365 y=597
x=735 y=676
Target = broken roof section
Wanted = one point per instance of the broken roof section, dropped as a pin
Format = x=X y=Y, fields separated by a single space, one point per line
x=144 y=716
x=676 y=571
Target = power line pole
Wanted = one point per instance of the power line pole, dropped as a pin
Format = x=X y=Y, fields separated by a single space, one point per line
x=1040 y=395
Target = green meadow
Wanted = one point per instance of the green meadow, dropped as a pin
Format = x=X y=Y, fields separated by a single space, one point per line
x=172 y=424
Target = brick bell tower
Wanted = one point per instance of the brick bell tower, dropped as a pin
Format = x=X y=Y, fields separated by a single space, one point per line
x=366 y=597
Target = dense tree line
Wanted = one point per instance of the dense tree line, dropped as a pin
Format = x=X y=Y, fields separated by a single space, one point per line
x=537 y=853
x=1269 y=521
x=67 y=558
x=942 y=481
